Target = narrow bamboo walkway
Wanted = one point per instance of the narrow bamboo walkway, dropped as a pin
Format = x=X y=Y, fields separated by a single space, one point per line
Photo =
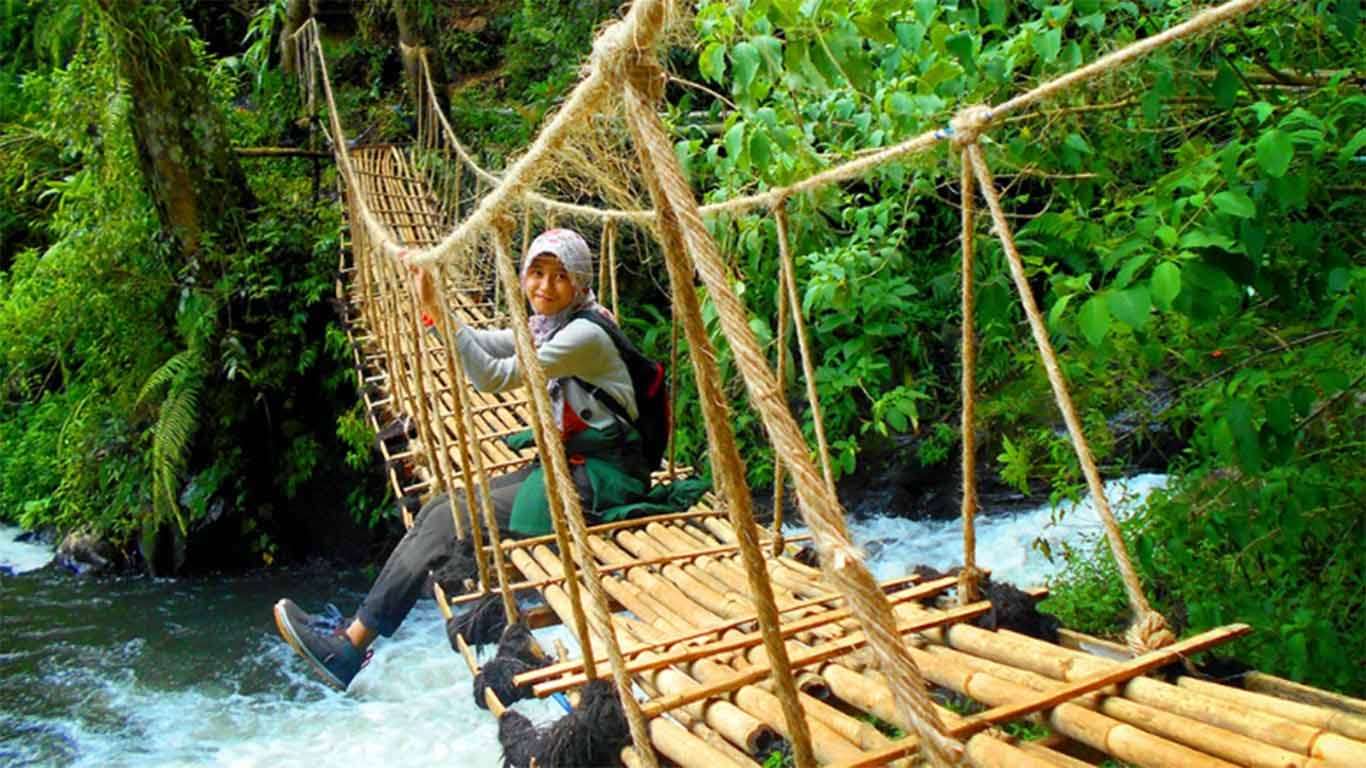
x=687 y=623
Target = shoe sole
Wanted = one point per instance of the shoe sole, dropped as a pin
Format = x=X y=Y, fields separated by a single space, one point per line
x=287 y=632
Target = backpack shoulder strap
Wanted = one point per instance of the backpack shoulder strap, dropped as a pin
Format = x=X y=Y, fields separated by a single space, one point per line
x=622 y=344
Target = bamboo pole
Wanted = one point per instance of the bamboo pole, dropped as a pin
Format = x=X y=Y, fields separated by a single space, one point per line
x=748 y=640
x=1345 y=723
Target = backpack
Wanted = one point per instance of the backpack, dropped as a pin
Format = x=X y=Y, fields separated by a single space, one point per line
x=650 y=381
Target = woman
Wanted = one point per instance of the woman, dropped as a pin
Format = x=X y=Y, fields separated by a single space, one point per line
x=574 y=338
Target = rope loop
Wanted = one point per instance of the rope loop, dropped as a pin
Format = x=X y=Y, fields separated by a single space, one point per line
x=1149 y=633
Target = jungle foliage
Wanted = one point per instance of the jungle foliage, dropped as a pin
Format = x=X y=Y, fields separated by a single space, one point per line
x=149 y=385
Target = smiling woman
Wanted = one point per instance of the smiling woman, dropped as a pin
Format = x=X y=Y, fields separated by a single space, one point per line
x=576 y=343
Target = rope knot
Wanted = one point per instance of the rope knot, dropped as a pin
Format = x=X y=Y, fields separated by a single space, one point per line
x=969 y=582
x=1149 y=633
x=967 y=126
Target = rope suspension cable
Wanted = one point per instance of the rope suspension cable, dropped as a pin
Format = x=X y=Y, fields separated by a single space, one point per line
x=1150 y=630
x=822 y=511
x=556 y=464
x=727 y=465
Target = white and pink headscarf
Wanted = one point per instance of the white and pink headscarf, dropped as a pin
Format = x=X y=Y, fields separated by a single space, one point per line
x=570 y=248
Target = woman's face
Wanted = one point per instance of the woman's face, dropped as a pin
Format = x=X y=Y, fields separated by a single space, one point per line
x=547 y=285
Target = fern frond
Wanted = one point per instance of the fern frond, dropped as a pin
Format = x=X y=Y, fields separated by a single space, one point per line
x=183 y=376
x=171 y=370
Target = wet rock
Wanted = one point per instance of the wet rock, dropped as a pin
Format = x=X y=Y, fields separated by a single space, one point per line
x=85 y=554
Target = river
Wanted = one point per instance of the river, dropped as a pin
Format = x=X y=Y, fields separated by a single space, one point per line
x=153 y=672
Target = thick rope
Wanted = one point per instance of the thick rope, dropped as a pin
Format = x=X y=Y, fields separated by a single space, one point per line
x=1150 y=630
x=822 y=512
x=727 y=465
x=556 y=463
x=789 y=273
x=969 y=577
x=465 y=428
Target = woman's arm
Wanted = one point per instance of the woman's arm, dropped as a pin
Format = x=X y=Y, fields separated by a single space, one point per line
x=580 y=349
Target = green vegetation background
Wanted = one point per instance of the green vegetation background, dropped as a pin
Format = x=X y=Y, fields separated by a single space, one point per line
x=1193 y=226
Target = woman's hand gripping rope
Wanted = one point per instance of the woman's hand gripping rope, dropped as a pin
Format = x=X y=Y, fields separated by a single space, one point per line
x=424 y=291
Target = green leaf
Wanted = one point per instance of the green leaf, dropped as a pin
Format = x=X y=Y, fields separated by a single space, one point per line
x=1131 y=306
x=1225 y=87
x=1130 y=268
x=1205 y=238
x=1165 y=284
x=1048 y=44
x=900 y=104
x=925 y=10
x=1059 y=307
x=1279 y=416
x=745 y=57
x=735 y=141
x=996 y=11
x=1235 y=202
x=712 y=62
x=1094 y=319
x=760 y=150
x=961 y=46
x=1274 y=152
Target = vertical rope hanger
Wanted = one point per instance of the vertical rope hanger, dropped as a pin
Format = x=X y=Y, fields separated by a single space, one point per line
x=1150 y=630
x=464 y=429
x=727 y=465
x=839 y=558
x=781 y=299
x=434 y=434
x=610 y=235
x=603 y=261
x=969 y=577
x=673 y=396
x=556 y=463
x=794 y=302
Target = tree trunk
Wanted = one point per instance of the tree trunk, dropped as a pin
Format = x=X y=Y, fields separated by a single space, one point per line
x=411 y=42
x=186 y=158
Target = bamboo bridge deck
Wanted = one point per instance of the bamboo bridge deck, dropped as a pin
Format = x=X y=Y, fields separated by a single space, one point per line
x=687 y=623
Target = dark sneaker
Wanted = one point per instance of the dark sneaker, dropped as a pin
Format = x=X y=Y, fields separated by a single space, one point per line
x=329 y=652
